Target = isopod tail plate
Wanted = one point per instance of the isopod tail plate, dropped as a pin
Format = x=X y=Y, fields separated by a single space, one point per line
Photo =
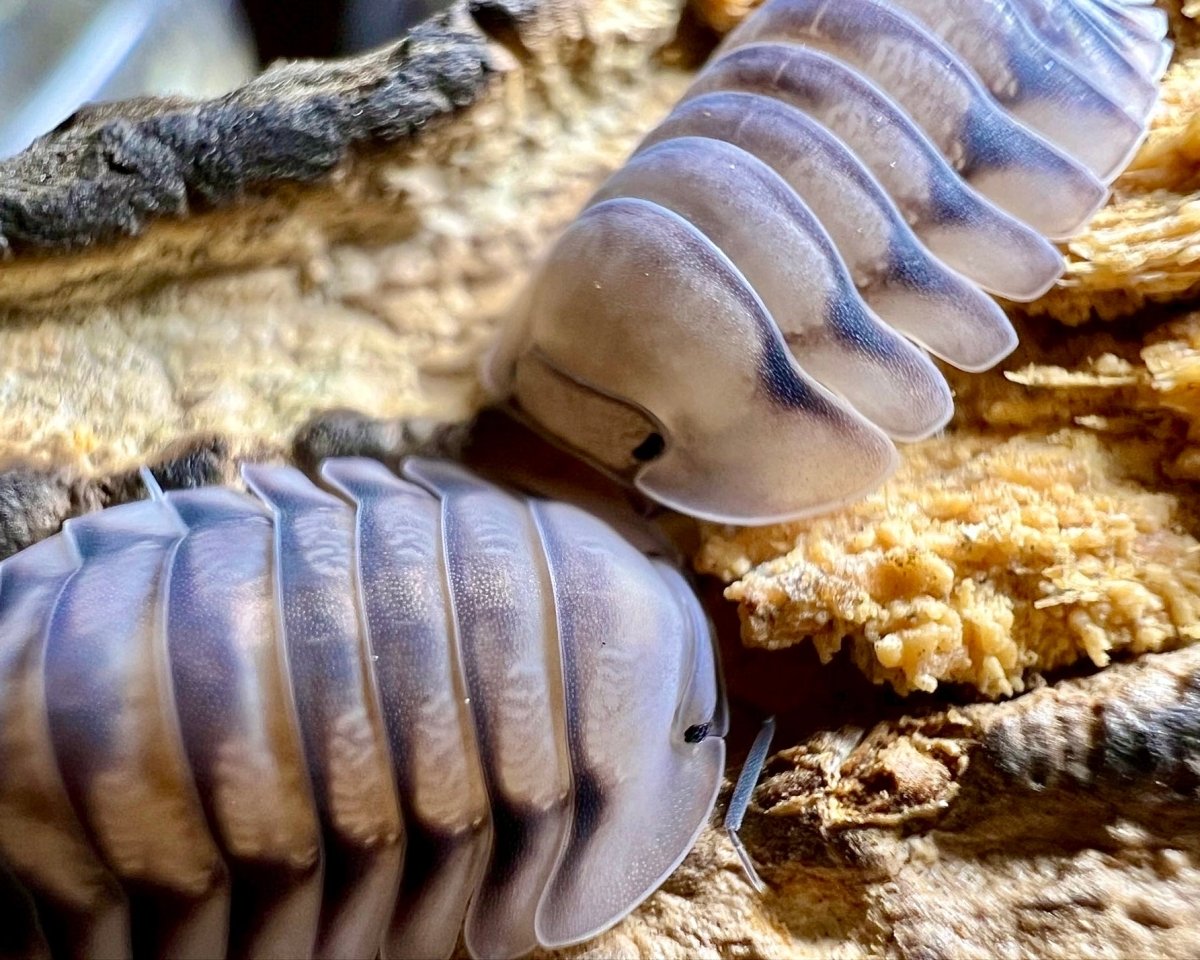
x=736 y=323
x=351 y=721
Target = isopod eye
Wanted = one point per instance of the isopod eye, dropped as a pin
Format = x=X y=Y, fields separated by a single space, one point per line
x=649 y=448
x=615 y=435
x=701 y=712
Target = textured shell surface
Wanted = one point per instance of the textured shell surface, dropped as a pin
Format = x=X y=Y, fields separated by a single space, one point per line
x=740 y=321
x=345 y=720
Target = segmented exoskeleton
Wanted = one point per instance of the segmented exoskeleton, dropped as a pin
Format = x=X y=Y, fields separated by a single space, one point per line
x=345 y=722
x=738 y=320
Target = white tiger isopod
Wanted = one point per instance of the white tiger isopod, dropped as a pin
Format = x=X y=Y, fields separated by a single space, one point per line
x=345 y=724
x=737 y=322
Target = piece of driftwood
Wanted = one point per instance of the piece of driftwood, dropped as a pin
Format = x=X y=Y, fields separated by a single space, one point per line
x=314 y=264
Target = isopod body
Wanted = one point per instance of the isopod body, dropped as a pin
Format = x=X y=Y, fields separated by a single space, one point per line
x=345 y=721
x=740 y=320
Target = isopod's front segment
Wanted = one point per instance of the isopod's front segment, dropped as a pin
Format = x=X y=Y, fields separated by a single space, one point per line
x=345 y=722
x=737 y=322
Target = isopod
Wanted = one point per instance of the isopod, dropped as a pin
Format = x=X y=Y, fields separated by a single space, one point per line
x=345 y=721
x=740 y=320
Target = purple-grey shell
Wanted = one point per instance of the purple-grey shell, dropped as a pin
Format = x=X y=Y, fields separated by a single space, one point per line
x=345 y=722
x=739 y=322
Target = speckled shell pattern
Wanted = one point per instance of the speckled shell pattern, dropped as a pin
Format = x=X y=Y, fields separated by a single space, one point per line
x=832 y=201
x=345 y=720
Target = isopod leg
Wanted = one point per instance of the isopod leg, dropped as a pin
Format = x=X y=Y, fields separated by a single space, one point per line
x=743 y=791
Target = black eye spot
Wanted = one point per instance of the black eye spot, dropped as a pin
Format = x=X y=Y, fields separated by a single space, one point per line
x=649 y=448
x=696 y=733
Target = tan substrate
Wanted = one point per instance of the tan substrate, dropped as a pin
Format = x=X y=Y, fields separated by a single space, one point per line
x=1056 y=522
x=1137 y=388
x=978 y=563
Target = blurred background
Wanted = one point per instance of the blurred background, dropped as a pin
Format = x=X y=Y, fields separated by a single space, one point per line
x=56 y=55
